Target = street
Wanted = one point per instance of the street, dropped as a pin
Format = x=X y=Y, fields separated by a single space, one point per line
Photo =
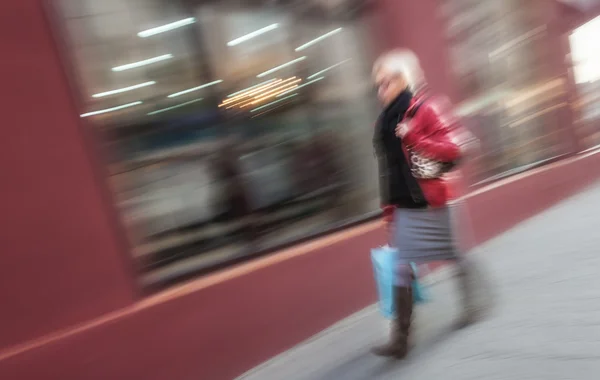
x=545 y=323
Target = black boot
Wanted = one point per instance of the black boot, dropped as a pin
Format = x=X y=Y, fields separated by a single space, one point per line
x=470 y=311
x=397 y=347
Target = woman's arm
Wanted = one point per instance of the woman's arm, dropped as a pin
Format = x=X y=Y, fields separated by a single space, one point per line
x=431 y=134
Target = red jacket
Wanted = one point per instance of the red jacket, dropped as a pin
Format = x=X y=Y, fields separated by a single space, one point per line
x=431 y=132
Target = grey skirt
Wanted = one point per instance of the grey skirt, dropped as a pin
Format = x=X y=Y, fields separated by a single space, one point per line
x=424 y=235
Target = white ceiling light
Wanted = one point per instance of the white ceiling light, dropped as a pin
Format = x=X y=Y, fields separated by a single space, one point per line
x=299 y=87
x=166 y=27
x=327 y=69
x=124 y=89
x=111 y=109
x=318 y=39
x=249 y=36
x=272 y=103
x=194 y=89
x=280 y=67
x=174 y=107
x=145 y=62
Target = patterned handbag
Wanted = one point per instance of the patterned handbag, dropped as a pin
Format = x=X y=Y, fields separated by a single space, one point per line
x=423 y=167
x=427 y=168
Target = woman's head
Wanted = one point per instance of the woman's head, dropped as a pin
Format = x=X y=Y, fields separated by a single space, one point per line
x=396 y=71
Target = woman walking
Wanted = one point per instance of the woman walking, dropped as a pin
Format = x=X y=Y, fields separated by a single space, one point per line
x=416 y=145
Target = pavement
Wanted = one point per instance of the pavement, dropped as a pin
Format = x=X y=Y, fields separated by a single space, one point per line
x=545 y=324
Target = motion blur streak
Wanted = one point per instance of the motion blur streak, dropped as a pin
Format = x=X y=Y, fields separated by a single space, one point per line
x=271 y=71
x=167 y=27
x=303 y=85
x=174 y=107
x=124 y=89
x=327 y=69
x=260 y=91
x=111 y=109
x=318 y=39
x=274 y=102
x=249 y=36
x=250 y=88
x=277 y=91
x=145 y=62
x=194 y=89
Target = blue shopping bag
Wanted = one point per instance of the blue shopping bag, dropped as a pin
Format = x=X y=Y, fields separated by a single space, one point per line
x=384 y=260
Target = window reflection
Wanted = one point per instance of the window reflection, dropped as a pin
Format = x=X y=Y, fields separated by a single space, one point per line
x=231 y=129
x=513 y=98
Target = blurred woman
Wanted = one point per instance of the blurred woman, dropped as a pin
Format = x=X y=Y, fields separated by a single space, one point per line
x=415 y=144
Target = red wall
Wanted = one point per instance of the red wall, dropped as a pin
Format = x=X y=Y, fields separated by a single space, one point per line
x=220 y=326
x=60 y=261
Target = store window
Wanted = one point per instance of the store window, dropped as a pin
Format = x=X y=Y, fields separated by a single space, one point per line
x=511 y=94
x=231 y=128
x=585 y=56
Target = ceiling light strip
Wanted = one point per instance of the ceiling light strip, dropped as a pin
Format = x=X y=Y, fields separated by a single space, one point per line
x=249 y=36
x=327 y=69
x=124 y=89
x=194 y=89
x=318 y=39
x=145 y=62
x=111 y=109
x=280 y=67
x=166 y=27
x=174 y=107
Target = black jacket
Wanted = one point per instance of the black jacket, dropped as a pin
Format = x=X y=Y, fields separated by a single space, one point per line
x=397 y=185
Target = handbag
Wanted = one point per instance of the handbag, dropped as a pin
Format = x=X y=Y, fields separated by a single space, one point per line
x=426 y=168
x=423 y=167
x=384 y=260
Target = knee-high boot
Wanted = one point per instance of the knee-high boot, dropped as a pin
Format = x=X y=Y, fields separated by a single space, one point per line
x=397 y=347
x=470 y=311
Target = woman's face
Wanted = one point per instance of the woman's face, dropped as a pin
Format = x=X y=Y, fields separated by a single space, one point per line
x=389 y=85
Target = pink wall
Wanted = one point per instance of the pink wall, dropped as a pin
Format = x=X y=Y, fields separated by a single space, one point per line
x=60 y=262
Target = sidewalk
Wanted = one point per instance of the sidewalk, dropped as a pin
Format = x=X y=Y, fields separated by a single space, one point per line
x=546 y=324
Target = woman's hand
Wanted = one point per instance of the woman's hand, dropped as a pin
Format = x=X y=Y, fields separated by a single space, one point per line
x=401 y=129
x=388 y=220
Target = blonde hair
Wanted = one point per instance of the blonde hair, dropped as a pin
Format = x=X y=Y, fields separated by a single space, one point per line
x=403 y=62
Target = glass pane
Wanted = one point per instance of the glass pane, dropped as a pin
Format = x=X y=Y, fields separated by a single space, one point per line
x=229 y=129
x=512 y=97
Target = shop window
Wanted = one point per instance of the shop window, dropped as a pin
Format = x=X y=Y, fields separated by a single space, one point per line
x=231 y=129
x=510 y=94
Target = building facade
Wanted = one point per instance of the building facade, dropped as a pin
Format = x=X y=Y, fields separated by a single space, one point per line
x=143 y=180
